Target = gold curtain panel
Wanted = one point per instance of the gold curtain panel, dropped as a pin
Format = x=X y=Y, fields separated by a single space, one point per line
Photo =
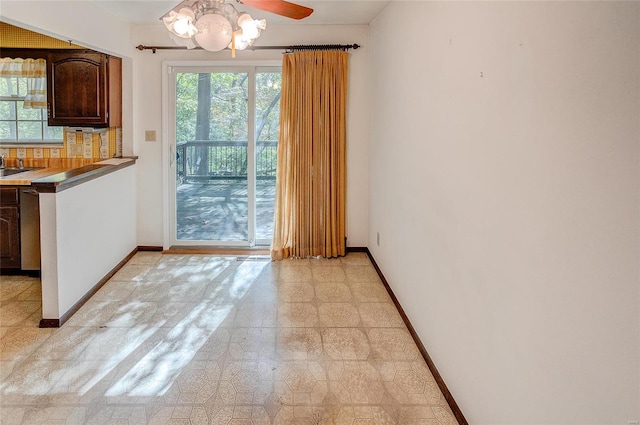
x=311 y=174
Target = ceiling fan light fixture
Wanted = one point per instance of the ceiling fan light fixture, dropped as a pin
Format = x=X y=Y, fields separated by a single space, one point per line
x=214 y=24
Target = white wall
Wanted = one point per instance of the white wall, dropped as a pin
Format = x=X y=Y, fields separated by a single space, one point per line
x=85 y=232
x=148 y=115
x=504 y=177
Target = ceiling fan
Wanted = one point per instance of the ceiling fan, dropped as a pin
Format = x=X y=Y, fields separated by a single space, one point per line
x=215 y=24
x=280 y=7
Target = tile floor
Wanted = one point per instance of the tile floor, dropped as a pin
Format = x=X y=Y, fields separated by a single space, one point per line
x=197 y=339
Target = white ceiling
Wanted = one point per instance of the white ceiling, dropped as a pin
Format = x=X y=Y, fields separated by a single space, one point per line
x=325 y=11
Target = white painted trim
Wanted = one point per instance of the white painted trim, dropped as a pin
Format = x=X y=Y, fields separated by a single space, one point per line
x=49 y=255
x=251 y=159
x=223 y=64
x=169 y=69
x=166 y=215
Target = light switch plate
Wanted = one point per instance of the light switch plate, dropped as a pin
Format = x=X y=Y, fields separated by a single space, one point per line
x=150 y=136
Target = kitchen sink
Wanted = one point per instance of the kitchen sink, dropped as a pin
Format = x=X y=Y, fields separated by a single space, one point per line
x=14 y=170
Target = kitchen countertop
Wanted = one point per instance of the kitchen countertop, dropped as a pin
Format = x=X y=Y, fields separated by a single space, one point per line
x=58 y=178
x=26 y=177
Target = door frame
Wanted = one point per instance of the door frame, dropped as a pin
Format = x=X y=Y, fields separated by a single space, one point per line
x=168 y=151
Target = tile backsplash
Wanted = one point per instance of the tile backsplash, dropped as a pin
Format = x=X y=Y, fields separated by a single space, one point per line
x=101 y=144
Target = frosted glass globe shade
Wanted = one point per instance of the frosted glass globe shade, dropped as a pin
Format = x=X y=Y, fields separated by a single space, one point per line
x=214 y=32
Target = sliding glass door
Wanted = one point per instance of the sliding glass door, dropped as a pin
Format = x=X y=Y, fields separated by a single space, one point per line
x=224 y=134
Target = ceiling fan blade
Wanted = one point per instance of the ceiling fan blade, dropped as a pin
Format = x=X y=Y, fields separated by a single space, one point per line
x=280 y=7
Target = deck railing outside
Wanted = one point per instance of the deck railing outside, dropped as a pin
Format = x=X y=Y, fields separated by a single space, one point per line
x=201 y=160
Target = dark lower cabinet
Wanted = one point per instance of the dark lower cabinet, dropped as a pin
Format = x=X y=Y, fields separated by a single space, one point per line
x=9 y=229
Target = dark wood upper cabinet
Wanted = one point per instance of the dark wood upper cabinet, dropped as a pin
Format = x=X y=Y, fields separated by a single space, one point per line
x=84 y=89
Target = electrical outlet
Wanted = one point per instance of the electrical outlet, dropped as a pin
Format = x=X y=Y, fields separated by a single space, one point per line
x=79 y=149
x=87 y=148
x=104 y=144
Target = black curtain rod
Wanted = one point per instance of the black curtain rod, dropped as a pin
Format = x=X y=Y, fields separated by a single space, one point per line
x=287 y=49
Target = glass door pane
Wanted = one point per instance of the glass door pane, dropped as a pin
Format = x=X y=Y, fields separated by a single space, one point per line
x=212 y=185
x=268 y=84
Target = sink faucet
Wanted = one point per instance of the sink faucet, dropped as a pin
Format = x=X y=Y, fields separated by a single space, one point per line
x=20 y=163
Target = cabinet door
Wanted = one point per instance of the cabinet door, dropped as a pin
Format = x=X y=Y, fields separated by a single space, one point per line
x=77 y=89
x=9 y=238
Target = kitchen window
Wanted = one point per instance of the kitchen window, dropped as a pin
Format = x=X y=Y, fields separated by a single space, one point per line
x=23 y=113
